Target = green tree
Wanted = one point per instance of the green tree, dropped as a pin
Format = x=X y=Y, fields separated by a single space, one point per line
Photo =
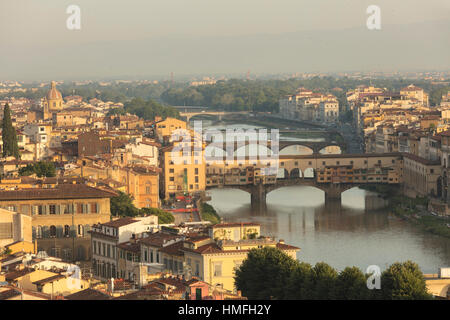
x=209 y=213
x=164 y=217
x=324 y=279
x=351 y=284
x=265 y=274
x=41 y=169
x=404 y=281
x=122 y=206
x=300 y=284
x=9 y=136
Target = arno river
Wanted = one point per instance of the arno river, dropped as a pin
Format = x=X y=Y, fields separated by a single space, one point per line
x=357 y=233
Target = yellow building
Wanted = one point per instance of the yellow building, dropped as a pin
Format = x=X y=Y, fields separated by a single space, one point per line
x=14 y=228
x=184 y=168
x=139 y=181
x=51 y=283
x=165 y=128
x=215 y=262
x=235 y=231
x=61 y=216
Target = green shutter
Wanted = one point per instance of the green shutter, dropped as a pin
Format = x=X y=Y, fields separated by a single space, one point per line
x=73 y=231
x=45 y=232
x=59 y=231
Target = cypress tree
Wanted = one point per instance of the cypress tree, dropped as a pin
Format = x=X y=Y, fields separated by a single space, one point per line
x=9 y=137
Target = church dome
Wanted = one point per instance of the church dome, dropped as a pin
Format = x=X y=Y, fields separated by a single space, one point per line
x=53 y=93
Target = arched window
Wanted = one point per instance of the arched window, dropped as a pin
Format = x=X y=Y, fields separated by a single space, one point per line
x=39 y=232
x=52 y=231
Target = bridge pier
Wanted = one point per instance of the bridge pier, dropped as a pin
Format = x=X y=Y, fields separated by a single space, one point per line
x=258 y=197
x=333 y=193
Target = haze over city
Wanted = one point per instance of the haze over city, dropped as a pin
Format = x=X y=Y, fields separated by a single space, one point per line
x=147 y=39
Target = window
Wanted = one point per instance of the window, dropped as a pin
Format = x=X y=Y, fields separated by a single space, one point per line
x=196 y=170
x=197 y=269
x=67 y=232
x=147 y=190
x=52 y=209
x=52 y=231
x=217 y=269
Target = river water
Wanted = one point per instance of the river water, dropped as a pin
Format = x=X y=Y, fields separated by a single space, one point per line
x=359 y=232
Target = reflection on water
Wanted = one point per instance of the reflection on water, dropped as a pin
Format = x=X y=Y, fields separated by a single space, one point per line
x=355 y=233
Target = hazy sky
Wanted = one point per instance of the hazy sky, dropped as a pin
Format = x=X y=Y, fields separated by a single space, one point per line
x=35 y=42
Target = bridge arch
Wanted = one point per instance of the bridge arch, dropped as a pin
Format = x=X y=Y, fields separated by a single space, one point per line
x=296 y=149
x=331 y=149
x=253 y=150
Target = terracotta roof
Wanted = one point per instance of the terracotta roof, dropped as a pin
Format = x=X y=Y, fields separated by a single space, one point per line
x=13 y=275
x=158 y=239
x=88 y=294
x=421 y=160
x=207 y=248
x=120 y=222
x=49 y=279
x=130 y=246
x=283 y=246
x=173 y=249
x=7 y=294
x=63 y=191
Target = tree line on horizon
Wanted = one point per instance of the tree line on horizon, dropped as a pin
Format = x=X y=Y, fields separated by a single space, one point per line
x=232 y=94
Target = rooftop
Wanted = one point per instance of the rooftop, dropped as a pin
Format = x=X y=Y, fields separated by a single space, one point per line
x=63 y=191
